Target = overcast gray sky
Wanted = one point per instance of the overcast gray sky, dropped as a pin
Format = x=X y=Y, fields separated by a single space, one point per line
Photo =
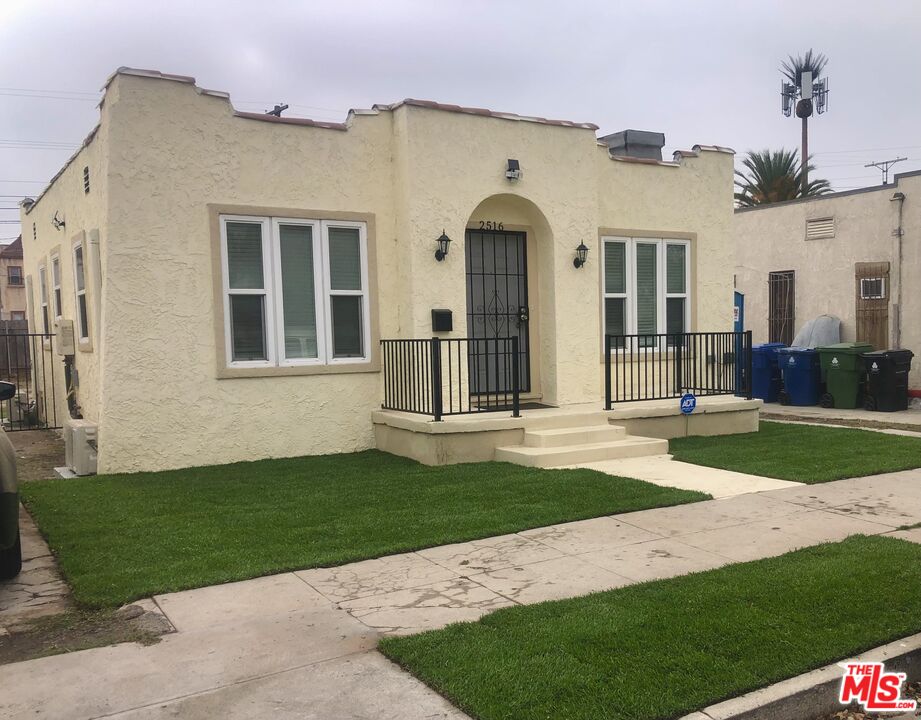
x=701 y=72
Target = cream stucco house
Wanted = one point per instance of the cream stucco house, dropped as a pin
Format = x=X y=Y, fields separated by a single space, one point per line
x=852 y=254
x=230 y=278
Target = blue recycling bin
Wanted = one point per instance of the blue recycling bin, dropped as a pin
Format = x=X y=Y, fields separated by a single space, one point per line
x=801 y=376
x=766 y=378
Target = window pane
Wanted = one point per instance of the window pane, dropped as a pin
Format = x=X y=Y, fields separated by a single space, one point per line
x=43 y=290
x=615 y=267
x=674 y=315
x=244 y=255
x=56 y=272
x=78 y=267
x=347 y=329
x=344 y=259
x=57 y=302
x=247 y=327
x=615 y=316
x=297 y=286
x=675 y=264
x=45 y=319
x=84 y=323
x=646 y=290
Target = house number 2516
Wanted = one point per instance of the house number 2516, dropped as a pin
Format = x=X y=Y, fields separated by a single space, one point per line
x=491 y=225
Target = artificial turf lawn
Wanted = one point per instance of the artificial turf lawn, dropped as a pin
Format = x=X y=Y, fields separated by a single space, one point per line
x=122 y=537
x=663 y=649
x=803 y=453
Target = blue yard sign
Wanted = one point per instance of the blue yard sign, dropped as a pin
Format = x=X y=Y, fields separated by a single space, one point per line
x=688 y=403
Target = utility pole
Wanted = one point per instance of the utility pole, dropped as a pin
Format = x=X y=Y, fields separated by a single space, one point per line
x=805 y=93
x=884 y=165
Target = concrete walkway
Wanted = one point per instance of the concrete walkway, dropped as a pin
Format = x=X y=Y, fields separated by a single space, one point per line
x=662 y=470
x=301 y=645
x=858 y=417
x=38 y=590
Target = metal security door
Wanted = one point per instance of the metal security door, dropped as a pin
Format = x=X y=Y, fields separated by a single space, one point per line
x=781 y=306
x=497 y=307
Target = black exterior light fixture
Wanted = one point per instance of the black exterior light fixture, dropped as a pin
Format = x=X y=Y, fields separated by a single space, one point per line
x=442 y=252
x=581 y=255
x=512 y=170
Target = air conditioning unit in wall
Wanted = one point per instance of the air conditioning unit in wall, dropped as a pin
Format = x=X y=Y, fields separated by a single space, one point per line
x=80 y=446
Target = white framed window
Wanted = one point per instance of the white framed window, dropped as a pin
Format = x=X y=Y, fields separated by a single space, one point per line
x=83 y=329
x=295 y=291
x=56 y=285
x=43 y=296
x=646 y=286
x=873 y=288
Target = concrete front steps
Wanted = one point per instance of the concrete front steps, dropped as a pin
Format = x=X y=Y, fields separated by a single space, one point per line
x=576 y=443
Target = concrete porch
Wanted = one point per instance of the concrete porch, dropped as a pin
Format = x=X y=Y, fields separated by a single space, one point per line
x=553 y=437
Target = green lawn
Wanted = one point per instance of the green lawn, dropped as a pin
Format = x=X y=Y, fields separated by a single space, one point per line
x=804 y=453
x=666 y=648
x=122 y=537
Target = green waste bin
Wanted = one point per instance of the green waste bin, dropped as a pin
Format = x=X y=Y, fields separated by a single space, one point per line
x=843 y=371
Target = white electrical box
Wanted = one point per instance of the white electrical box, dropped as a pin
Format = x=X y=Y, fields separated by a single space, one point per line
x=80 y=446
x=64 y=329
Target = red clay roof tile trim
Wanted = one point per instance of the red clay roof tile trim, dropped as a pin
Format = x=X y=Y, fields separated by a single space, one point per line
x=430 y=104
x=290 y=120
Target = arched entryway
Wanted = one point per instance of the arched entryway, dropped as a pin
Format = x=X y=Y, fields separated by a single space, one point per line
x=509 y=283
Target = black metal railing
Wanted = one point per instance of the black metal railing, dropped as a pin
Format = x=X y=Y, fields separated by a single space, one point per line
x=453 y=376
x=28 y=361
x=662 y=366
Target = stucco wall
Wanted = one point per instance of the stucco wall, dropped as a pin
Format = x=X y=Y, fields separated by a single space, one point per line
x=84 y=215
x=772 y=238
x=173 y=151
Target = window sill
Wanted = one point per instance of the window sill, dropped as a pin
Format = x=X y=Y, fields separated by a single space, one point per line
x=85 y=346
x=226 y=373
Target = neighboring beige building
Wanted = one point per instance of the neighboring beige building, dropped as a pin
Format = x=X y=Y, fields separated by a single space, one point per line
x=230 y=275
x=855 y=255
x=12 y=282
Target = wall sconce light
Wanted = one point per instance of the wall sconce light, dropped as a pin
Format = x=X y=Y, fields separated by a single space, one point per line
x=442 y=252
x=57 y=222
x=512 y=170
x=581 y=254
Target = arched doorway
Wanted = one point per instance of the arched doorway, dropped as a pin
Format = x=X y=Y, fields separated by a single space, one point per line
x=506 y=244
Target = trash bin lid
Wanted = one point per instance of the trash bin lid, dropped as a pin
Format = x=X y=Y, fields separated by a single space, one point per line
x=767 y=347
x=848 y=348
x=901 y=354
x=793 y=350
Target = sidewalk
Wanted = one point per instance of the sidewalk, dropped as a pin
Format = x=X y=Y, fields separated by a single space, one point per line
x=858 y=417
x=302 y=644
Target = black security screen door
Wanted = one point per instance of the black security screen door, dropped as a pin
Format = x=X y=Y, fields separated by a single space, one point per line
x=497 y=307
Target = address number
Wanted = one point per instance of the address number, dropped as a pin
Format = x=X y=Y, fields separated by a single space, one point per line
x=491 y=225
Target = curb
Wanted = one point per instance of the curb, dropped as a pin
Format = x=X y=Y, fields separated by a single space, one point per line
x=813 y=694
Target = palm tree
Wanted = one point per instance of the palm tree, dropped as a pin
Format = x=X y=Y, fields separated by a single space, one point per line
x=796 y=66
x=775 y=176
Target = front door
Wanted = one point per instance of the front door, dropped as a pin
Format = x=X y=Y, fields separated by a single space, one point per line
x=497 y=307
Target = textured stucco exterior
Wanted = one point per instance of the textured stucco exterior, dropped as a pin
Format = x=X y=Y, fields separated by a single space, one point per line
x=773 y=238
x=168 y=153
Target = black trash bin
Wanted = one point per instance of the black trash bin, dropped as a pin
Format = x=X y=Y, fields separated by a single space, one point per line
x=887 y=379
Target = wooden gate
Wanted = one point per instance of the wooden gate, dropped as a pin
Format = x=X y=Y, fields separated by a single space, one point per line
x=872 y=302
x=781 y=306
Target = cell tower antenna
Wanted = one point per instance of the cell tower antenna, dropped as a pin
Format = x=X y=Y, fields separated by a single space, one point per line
x=884 y=165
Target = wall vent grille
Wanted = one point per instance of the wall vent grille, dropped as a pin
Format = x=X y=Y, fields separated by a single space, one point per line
x=819 y=228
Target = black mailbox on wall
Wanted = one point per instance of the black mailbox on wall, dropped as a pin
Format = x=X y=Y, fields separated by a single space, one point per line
x=442 y=321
